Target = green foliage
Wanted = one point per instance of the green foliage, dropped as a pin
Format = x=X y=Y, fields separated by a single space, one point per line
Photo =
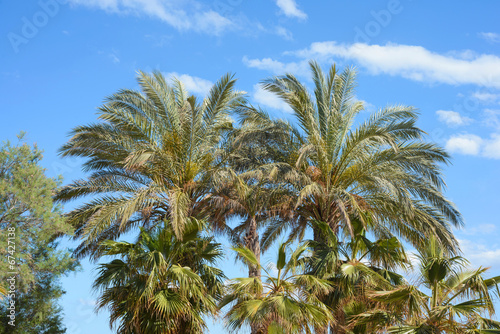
x=26 y=207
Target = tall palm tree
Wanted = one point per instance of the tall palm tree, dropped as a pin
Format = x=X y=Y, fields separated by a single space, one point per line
x=151 y=158
x=341 y=166
x=161 y=284
x=287 y=302
x=458 y=300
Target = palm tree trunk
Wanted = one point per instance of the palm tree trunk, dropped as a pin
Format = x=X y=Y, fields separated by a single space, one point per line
x=253 y=243
x=317 y=235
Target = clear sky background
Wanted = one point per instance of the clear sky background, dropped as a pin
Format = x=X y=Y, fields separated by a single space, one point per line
x=60 y=58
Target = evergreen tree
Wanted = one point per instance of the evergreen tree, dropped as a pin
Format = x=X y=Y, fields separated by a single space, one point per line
x=30 y=224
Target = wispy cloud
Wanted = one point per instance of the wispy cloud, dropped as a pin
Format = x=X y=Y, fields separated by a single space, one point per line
x=491 y=37
x=277 y=67
x=114 y=58
x=480 y=253
x=475 y=249
x=481 y=229
x=290 y=9
x=194 y=85
x=452 y=118
x=113 y=55
x=187 y=15
x=285 y=33
x=486 y=97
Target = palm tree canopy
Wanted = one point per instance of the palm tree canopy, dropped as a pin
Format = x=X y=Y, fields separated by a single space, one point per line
x=151 y=158
x=161 y=284
x=341 y=166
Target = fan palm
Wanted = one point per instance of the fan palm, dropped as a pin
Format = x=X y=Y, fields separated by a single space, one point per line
x=459 y=298
x=287 y=302
x=150 y=159
x=340 y=166
x=161 y=284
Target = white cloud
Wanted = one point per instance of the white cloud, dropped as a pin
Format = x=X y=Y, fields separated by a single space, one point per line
x=194 y=85
x=413 y=62
x=268 y=99
x=277 y=67
x=452 y=118
x=465 y=144
x=290 y=9
x=285 y=33
x=181 y=15
x=490 y=37
x=470 y=144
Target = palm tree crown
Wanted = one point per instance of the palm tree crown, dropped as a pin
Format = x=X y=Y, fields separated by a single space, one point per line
x=150 y=159
x=161 y=284
x=341 y=167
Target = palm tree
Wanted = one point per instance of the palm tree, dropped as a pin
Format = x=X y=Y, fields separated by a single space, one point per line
x=150 y=159
x=161 y=284
x=340 y=166
x=287 y=302
x=458 y=300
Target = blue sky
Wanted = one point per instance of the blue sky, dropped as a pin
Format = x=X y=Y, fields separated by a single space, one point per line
x=60 y=58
